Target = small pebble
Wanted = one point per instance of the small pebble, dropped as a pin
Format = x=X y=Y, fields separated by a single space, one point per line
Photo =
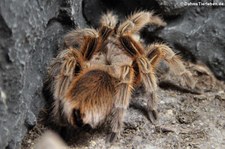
x=29 y=141
x=162 y=102
x=93 y=143
x=169 y=112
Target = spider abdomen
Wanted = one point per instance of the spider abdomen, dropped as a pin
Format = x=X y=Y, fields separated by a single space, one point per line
x=92 y=94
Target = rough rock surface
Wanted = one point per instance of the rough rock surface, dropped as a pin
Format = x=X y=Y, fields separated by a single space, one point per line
x=172 y=7
x=30 y=33
x=199 y=34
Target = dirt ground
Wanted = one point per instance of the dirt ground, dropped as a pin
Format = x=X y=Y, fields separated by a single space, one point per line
x=188 y=119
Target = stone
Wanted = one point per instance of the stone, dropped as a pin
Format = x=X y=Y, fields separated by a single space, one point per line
x=199 y=35
x=172 y=7
x=30 y=34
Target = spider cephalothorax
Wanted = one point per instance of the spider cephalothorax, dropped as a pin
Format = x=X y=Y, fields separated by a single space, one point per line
x=93 y=77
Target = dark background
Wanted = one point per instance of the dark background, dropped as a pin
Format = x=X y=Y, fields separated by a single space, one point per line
x=31 y=31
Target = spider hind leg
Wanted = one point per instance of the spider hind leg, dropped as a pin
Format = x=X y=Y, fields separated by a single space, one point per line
x=156 y=52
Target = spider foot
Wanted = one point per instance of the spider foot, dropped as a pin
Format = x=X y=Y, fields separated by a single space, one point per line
x=153 y=116
x=112 y=137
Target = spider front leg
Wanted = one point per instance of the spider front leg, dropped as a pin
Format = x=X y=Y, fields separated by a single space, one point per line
x=63 y=69
x=144 y=72
x=61 y=72
x=69 y=63
x=107 y=25
x=150 y=84
x=122 y=99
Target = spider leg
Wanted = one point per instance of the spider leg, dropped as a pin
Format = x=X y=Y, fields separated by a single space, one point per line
x=131 y=47
x=61 y=72
x=122 y=99
x=150 y=84
x=108 y=23
x=145 y=71
x=109 y=20
x=88 y=41
x=156 y=52
x=77 y=37
x=69 y=63
x=137 y=21
x=90 y=47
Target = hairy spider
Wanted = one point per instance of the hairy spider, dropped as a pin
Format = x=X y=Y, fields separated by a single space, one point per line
x=93 y=77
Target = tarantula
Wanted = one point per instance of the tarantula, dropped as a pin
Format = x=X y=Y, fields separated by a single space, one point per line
x=94 y=76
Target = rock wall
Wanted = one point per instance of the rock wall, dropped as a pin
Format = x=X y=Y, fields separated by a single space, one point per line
x=29 y=36
x=30 y=33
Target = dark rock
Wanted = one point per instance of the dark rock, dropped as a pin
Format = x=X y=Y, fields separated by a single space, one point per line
x=93 y=9
x=30 y=32
x=199 y=34
x=172 y=7
x=30 y=120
